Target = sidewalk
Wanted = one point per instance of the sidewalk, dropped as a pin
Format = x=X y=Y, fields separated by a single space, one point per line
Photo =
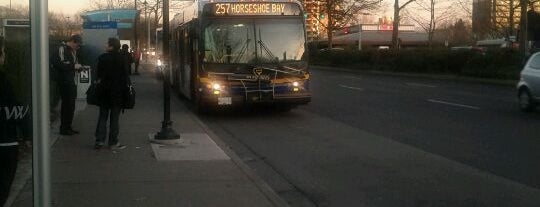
x=200 y=171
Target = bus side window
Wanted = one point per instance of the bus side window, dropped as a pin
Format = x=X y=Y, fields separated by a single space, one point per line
x=181 y=43
x=187 y=47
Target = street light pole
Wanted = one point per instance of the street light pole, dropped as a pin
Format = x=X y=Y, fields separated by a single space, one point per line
x=39 y=25
x=68 y=25
x=137 y=48
x=167 y=133
x=147 y=31
x=360 y=32
x=359 y=37
x=147 y=44
x=135 y=26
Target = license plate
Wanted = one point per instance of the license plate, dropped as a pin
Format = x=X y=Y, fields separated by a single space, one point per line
x=224 y=101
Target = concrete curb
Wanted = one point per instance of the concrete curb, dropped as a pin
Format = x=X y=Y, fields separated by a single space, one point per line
x=263 y=187
x=426 y=76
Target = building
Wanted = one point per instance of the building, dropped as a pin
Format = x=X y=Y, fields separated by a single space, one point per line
x=378 y=36
x=497 y=18
x=313 y=15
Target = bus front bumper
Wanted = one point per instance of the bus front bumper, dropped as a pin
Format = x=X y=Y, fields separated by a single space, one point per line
x=254 y=98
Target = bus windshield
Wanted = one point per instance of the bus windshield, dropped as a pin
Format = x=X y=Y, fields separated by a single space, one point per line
x=254 y=41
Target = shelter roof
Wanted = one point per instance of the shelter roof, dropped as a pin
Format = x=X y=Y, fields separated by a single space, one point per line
x=124 y=17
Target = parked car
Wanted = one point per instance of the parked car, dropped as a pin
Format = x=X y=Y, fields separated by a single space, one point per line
x=477 y=50
x=529 y=84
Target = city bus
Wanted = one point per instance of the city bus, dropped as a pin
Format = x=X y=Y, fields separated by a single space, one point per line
x=227 y=53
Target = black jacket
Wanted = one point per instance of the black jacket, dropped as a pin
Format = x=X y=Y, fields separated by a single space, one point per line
x=113 y=78
x=63 y=62
x=12 y=113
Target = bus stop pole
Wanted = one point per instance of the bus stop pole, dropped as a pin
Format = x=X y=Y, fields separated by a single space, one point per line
x=40 y=102
x=167 y=132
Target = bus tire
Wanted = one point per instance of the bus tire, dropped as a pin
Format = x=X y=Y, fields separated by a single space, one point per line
x=200 y=107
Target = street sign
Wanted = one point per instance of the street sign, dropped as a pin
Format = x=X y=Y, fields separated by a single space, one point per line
x=100 y=25
x=84 y=77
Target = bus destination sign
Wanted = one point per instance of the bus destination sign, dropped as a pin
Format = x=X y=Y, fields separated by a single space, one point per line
x=252 y=8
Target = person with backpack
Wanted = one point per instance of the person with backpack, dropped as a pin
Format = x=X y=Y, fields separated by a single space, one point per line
x=112 y=81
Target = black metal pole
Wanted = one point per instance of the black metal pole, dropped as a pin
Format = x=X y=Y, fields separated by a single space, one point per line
x=167 y=132
x=136 y=22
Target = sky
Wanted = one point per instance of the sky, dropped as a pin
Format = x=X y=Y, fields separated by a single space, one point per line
x=71 y=7
x=68 y=7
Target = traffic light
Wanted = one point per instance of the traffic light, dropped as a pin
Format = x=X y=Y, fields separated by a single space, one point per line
x=306 y=15
x=322 y=16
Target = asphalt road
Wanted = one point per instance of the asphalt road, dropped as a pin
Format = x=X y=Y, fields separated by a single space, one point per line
x=371 y=140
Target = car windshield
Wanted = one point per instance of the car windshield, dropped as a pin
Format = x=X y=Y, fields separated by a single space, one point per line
x=254 y=41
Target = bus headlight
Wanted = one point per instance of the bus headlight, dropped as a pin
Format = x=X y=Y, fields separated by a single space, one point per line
x=216 y=88
x=295 y=86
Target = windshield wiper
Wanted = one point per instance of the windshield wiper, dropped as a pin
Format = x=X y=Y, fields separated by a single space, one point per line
x=244 y=48
x=279 y=67
x=273 y=58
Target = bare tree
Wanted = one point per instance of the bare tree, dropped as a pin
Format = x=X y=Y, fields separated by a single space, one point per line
x=111 y=4
x=342 y=12
x=438 y=10
x=465 y=6
x=395 y=29
x=505 y=13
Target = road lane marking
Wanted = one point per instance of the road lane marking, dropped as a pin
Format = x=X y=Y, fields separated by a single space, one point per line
x=421 y=85
x=454 y=104
x=353 y=77
x=350 y=87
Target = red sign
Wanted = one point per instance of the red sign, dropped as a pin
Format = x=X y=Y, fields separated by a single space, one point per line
x=386 y=27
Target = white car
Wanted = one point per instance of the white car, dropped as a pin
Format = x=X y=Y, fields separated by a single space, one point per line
x=529 y=84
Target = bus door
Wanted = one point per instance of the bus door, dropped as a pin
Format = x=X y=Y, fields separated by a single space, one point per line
x=175 y=60
x=186 y=61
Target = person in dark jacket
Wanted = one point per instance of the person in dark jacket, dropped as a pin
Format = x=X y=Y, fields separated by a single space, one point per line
x=65 y=62
x=112 y=80
x=127 y=56
x=137 y=59
x=12 y=114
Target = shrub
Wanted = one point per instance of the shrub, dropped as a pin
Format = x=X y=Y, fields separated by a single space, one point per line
x=494 y=64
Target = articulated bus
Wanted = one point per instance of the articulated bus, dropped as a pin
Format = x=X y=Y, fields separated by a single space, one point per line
x=226 y=52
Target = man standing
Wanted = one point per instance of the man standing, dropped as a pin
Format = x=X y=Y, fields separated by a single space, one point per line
x=136 y=58
x=127 y=57
x=65 y=61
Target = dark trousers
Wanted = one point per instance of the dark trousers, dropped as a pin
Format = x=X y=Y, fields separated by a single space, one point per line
x=68 y=94
x=136 y=67
x=101 y=129
x=8 y=167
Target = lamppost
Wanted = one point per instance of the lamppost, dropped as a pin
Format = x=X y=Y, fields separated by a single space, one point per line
x=360 y=32
x=147 y=31
x=137 y=50
x=167 y=135
x=146 y=22
x=68 y=24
